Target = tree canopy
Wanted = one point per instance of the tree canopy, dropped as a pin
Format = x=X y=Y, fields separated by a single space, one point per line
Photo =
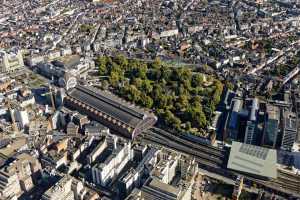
x=182 y=98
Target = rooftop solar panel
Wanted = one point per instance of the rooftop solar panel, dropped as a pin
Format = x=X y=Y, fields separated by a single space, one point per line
x=253 y=159
x=256 y=151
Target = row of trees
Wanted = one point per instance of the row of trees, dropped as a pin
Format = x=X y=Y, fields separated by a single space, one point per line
x=182 y=98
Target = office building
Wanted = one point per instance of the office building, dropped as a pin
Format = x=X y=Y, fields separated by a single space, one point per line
x=271 y=126
x=232 y=129
x=289 y=131
x=251 y=132
x=99 y=149
x=133 y=177
x=103 y=173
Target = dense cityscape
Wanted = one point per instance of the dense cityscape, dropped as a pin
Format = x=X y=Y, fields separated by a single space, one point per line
x=149 y=99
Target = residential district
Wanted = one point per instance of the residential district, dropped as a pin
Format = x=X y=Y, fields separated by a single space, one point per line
x=149 y=99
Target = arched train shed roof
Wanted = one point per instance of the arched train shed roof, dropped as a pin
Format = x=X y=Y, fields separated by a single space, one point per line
x=110 y=110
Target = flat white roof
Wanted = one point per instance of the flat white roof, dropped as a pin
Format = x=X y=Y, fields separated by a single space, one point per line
x=253 y=159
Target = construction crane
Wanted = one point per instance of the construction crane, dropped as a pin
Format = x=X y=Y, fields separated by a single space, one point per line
x=51 y=97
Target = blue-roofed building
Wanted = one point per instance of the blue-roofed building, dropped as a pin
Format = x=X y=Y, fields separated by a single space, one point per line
x=251 y=133
x=233 y=119
x=271 y=132
x=233 y=123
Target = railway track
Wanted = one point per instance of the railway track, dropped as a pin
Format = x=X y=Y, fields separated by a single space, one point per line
x=213 y=158
x=277 y=185
x=187 y=149
x=197 y=146
x=205 y=158
x=201 y=160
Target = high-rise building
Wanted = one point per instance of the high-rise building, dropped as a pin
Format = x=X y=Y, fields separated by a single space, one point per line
x=251 y=132
x=10 y=62
x=289 y=131
x=272 y=118
x=233 y=119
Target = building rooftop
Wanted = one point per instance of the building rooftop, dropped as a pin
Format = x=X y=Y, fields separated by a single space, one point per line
x=95 y=127
x=111 y=110
x=164 y=187
x=109 y=104
x=290 y=121
x=60 y=188
x=273 y=112
x=159 y=189
x=253 y=160
x=14 y=146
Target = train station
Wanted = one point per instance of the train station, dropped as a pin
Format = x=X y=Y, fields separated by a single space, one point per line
x=124 y=118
